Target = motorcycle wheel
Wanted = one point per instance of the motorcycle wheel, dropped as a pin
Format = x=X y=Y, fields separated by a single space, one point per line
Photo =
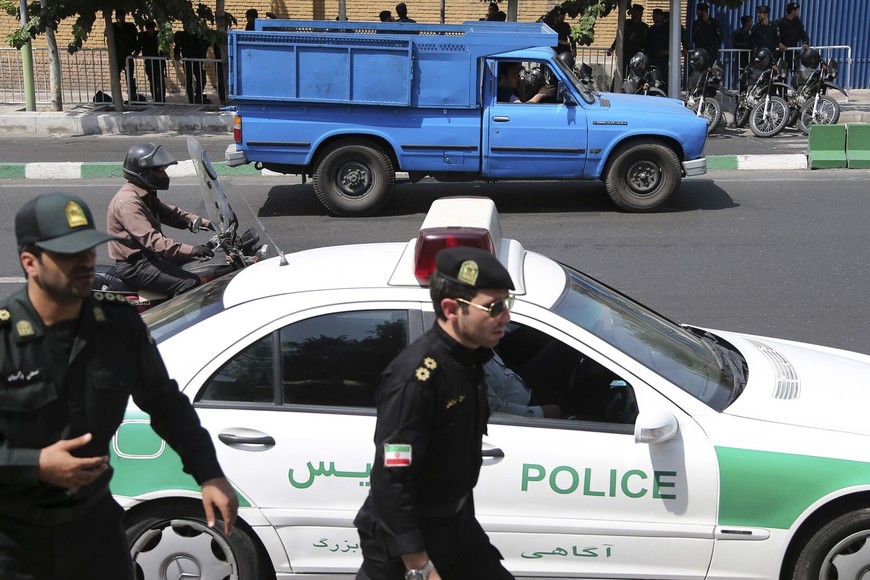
x=741 y=116
x=354 y=178
x=827 y=113
x=793 y=115
x=711 y=110
x=774 y=122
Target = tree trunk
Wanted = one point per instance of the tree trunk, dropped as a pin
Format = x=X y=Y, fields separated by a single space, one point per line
x=619 y=75
x=117 y=95
x=221 y=22
x=55 y=78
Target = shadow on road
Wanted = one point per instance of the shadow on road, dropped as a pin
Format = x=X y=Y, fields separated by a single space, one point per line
x=526 y=197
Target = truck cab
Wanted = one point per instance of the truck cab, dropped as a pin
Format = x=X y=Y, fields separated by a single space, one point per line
x=357 y=102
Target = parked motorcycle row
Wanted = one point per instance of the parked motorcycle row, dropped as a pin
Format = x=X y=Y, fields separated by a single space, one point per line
x=765 y=100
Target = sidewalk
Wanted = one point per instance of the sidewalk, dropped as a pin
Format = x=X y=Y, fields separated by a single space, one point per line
x=182 y=120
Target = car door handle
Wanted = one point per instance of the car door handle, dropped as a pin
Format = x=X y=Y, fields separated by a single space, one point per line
x=233 y=439
x=495 y=453
x=501 y=119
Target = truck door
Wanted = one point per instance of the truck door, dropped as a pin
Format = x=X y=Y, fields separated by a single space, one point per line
x=530 y=139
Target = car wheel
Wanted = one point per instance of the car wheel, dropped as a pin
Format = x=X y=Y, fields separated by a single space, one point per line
x=711 y=110
x=354 y=179
x=838 y=550
x=827 y=113
x=642 y=176
x=768 y=125
x=170 y=541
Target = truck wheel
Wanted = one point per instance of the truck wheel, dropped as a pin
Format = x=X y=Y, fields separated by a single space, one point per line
x=172 y=541
x=642 y=176
x=354 y=179
x=839 y=549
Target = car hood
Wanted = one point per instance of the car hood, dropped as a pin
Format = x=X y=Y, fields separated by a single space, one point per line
x=803 y=384
x=619 y=101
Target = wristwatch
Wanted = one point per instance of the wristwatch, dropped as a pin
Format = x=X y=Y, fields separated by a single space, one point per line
x=422 y=573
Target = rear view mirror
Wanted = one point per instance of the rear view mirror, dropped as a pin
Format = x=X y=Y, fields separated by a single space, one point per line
x=655 y=426
x=565 y=96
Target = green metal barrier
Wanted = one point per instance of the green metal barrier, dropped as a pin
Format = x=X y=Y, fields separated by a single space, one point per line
x=858 y=145
x=827 y=146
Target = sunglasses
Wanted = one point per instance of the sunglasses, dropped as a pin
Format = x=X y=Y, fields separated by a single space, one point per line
x=495 y=308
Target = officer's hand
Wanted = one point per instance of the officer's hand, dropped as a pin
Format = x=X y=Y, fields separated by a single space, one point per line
x=218 y=492
x=201 y=251
x=57 y=466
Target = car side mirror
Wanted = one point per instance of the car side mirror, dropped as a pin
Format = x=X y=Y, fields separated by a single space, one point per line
x=565 y=95
x=655 y=426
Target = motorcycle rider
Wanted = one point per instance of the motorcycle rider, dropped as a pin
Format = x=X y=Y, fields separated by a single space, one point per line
x=149 y=260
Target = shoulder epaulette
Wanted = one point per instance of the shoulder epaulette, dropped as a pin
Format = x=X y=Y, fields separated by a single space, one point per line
x=424 y=371
x=5 y=317
x=111 y=298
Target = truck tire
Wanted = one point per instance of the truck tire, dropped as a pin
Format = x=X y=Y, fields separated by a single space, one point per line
x=172 y=541
x=838 y=549
x=354 y=179
x=642 y=176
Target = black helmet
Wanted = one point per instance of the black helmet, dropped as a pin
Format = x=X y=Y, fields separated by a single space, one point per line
x=764 y=58
x=699 y=59
x=567 y=59
x=638 y=64
x=810 y=58
x=141 y=162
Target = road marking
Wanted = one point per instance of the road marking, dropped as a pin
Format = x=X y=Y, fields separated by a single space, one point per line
x=12 y=280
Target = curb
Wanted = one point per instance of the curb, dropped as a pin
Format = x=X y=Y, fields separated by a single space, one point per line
x=78 y=170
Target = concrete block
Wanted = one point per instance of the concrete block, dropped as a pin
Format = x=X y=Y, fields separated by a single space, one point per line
x=827 y=146
x=858 y=145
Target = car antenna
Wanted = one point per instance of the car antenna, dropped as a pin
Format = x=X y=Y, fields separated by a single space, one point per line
x=262 y=226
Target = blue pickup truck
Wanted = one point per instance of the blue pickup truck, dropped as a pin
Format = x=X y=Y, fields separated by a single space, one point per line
x=349 y=104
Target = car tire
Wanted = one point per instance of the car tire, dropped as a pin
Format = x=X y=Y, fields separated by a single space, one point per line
x=711 y=110
x=835 y=549
x=777 y=117
x=642 y=175
x=354 y=178
x=827 y=113
x=172 y=541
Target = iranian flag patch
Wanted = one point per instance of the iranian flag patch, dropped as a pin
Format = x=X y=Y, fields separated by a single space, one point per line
x=397 y=455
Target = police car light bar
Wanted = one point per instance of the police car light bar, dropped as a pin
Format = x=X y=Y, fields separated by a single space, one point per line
x=455 y=221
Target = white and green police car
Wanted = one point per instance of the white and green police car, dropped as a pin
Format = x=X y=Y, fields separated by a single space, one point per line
x=684 y=452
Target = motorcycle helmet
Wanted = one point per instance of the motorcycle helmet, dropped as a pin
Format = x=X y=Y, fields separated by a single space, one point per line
x=142 y=160
x=699 y=59
x=810 y=58
x=638 y=64
x=763 y=58
x=567 y=59
x=534 y=81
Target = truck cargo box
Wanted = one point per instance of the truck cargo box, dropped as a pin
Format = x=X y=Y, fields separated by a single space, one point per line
x=367 y=63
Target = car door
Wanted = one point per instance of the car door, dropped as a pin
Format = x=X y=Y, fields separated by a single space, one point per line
x=580 y=497
x=291 y=409
x=532 y=140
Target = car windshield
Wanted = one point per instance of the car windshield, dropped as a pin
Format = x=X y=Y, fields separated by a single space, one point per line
x=173 y=316
x=585 y=92
x=691 y=363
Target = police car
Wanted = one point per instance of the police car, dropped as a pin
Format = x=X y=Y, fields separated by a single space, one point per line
x=682 y=453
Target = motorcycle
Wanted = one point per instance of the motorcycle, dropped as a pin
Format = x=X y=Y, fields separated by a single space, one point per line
x=704 y=82
x=757 y=103
x=232 y=251
x=642 y=78
x=807 y=94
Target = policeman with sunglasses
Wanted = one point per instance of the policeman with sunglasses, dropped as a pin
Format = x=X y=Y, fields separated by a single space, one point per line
x=418 y=521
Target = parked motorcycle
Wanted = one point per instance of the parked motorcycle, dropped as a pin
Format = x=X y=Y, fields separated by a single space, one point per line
x=232 y=251
x=807 y=94
x=704 y=82
x=757 y=101
x=643 y=78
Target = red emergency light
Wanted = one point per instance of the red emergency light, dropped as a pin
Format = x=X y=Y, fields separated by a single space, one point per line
x=431 y=240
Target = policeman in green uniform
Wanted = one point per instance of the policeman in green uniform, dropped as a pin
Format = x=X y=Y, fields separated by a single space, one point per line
x=69 y=361
x=418 y=521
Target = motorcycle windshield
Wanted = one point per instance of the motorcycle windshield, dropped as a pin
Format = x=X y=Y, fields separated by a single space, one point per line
x=216 y=205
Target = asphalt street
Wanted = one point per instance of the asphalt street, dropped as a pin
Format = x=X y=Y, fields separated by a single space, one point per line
x=780 y=254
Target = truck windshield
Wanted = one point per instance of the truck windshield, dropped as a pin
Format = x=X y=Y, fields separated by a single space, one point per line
x=585 y=92
x=687 y=361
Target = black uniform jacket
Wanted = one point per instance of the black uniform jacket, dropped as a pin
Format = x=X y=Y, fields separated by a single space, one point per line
x=44 y=399
x=431 y=397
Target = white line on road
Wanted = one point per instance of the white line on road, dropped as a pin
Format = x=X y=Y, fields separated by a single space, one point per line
x=12 y=280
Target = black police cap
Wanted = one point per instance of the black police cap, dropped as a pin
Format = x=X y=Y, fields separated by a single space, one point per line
x=472 y=267
x=58 y=222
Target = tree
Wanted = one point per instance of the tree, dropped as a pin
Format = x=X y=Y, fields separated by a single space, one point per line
x=46 y=15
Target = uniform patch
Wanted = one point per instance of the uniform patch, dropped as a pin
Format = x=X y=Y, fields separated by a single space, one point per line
x=430 y=363
x=397 y=455
x=422 y=374
x=468 y=272
x=99 y=315
x=5 y=316
x=454 y=402
x=24 y=328
x=75 y=216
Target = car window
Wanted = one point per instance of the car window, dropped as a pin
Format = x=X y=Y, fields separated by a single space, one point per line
x=168 y=319
x=333 y=360
x=555 y=373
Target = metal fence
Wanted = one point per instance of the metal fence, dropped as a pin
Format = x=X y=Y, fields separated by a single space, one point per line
x=86 y=73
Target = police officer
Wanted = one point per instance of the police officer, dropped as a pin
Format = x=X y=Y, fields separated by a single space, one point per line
x=792 y=33
x=144 y=257
x=707 y=32
x=764 y=33
x=418 y=521
x=69 y=361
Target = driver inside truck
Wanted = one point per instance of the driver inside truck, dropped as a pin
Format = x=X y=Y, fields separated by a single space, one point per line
x=509 y=81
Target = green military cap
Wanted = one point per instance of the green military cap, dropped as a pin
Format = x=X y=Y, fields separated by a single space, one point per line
x=58 y=222
x=472 y=267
